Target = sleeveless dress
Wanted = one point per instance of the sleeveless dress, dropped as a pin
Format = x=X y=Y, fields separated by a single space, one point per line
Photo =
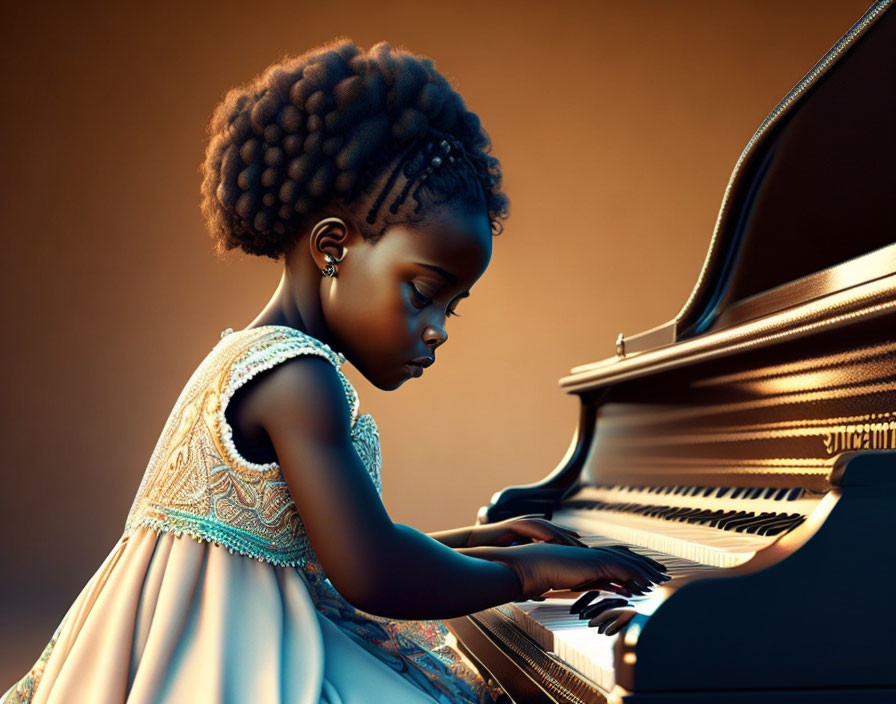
x=213 y=593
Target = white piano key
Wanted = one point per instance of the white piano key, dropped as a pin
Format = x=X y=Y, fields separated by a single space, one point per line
x=568 y=637
x=701 y=544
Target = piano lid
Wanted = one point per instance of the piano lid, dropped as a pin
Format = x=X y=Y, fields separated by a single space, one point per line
x=812 y=189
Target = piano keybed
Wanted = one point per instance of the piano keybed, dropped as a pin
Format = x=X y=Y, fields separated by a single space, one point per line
x=570 y=639
x=691 y=530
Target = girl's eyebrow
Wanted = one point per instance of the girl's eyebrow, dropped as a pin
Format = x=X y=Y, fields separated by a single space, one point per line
x=447 y=275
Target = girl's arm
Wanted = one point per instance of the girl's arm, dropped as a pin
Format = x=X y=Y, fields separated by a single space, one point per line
x=383 y=568
x=380 y=567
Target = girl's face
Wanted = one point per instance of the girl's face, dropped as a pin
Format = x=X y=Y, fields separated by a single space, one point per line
x=389 y=301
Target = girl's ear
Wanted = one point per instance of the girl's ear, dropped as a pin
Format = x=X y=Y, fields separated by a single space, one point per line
x=328 y=236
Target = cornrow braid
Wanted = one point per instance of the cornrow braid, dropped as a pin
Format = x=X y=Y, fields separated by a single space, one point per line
x=390 y=182
x=335 y=123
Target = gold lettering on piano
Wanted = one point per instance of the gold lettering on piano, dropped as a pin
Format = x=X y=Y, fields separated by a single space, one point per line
x=862 y=436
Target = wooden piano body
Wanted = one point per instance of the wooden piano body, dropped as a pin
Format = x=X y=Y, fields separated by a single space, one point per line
x=750 y=442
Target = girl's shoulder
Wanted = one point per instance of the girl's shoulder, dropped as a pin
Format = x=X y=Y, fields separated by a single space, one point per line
x=246 y=353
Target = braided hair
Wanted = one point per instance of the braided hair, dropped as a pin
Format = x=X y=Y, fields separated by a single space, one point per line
x=339 y=124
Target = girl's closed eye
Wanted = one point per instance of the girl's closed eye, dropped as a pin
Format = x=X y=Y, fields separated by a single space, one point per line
x=421 y=301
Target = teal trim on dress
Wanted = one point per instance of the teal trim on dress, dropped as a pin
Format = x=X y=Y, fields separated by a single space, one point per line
x=229 y=537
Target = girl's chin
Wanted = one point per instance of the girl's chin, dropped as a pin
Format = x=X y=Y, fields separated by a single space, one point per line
x=390 y=379
x=391 y=382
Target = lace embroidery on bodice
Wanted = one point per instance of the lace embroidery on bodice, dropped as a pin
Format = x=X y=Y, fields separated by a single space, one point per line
x=197 y=483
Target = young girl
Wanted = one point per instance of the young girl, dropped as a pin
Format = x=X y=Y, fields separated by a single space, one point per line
x=258 y=563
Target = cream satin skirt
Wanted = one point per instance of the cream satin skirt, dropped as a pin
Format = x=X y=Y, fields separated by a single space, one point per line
x=170 y=620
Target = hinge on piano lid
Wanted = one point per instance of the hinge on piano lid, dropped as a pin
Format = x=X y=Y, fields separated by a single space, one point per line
x=620 y=345
x=660 y=336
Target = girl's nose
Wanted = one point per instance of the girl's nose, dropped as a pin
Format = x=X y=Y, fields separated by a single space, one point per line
x=434 y=336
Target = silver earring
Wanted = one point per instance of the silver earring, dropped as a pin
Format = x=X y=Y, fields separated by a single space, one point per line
x=330 y=268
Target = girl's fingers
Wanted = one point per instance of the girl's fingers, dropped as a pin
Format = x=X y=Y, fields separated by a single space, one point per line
x=606 y=619
x=617 y=589
x=629 y=567
x=549 y=532
x=557 y=528
x=636 y=588
x=643 y=569
x=564 y=539
x=623 y=550
x=550 y=526
x=646 y=571
x=582 y=601
x=653 y=563
x=601 y=606
x=620 y=623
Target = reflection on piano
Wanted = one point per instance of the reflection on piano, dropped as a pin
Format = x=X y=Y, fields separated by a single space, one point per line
x=750 y=443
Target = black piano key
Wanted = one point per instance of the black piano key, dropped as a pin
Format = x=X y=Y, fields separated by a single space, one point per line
x=675 y=512
x=694 y=516
x=763 y=519
x=705 y=516
x=794 y=522
x=736 y=516
x=732 y=522
x=683 y=516
x=780 y=520
x=726 y=515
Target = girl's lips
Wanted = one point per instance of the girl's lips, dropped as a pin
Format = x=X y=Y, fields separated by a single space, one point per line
x=414 y=370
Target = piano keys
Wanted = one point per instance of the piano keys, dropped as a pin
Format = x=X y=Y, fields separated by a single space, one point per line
x=749 y=443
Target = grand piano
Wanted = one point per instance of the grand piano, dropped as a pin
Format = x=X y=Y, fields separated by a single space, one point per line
x=750 y=443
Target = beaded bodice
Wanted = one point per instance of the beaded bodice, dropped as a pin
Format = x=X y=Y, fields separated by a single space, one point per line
x=197 y=483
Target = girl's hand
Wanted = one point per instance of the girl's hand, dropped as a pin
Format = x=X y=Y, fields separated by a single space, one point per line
x=521 y=530
x=513 y=531
x=541 y=567
x=613 y=620
x=608 y=615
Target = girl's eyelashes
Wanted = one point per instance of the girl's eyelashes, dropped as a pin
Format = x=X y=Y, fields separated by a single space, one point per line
x=421 y=301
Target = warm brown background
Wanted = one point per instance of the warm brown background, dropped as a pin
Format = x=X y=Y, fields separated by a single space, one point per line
x=617 y=125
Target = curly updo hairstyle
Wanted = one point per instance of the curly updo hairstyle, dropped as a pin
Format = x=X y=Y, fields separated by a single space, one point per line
x=333 y=124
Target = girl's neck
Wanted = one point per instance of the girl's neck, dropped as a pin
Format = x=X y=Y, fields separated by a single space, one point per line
x=295 y=305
